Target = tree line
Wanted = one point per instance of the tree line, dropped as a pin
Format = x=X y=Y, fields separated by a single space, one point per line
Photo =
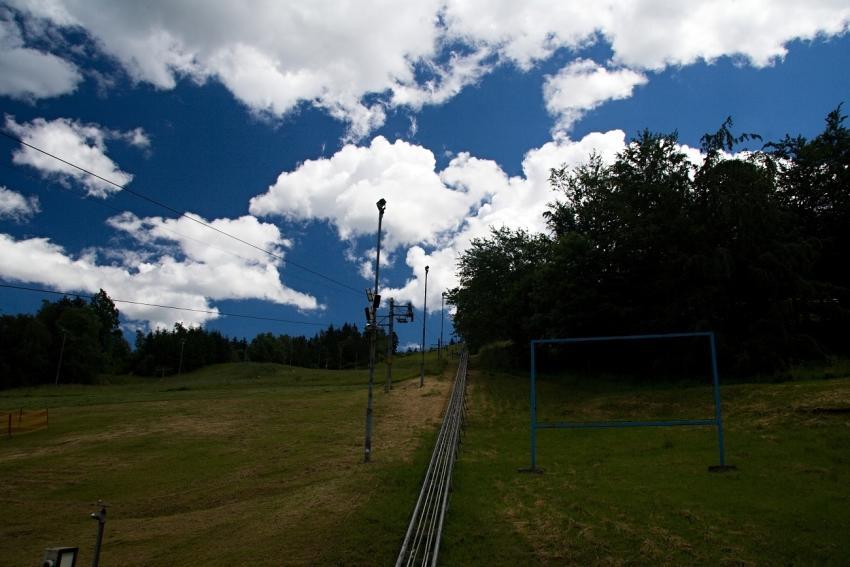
x=345 y=347
x=84 y=335
x=333 y=348
x=73 y=341
x=181 y=349
x=753 y=246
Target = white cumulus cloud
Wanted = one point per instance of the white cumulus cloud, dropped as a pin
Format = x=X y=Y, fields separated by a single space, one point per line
x=172 y=262
x=77 y=143
x=356 y=59
x=431 y=216
x=29 y=74
x=271 y=55
x=15 y=206
x=653 y=34
x=583 y=85
x=646 y=34
x=344 y=188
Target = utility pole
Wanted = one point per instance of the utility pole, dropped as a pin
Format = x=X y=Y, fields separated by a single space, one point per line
x=424 y=318
x=375 y=300
x=180 y=368
x=389 y=383
x=61 y=353
x=442 y=321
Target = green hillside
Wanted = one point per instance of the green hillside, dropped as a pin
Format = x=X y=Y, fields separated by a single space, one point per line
x=644 y=496
x=261 y=464
x=232 y=464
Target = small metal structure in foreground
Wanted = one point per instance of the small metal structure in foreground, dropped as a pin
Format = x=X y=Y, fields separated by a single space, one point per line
x=422 y=541
x=100 y=518
x=717 y=421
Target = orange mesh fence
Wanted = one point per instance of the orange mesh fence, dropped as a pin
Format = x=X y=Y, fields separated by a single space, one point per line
x=23 y=421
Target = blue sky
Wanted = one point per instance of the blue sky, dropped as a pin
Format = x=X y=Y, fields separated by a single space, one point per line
x=283 y=124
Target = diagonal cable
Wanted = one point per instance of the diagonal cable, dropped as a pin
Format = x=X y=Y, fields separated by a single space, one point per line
x=179 y=213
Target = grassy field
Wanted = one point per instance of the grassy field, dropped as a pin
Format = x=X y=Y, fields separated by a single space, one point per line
x=235 y=464
x=259 y=464
x=644 y=496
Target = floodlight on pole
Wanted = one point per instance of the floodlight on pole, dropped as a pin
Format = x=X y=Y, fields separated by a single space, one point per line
x=371 y=311
x=424 y=318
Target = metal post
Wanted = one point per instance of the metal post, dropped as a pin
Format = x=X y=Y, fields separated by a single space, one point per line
x=101 y=521
x=388 y=386
x=424 y=318
x=442 y=324
x=533 y=410
x=717 y=412
x=61 y=353
x=373 y=324
x=180 y=368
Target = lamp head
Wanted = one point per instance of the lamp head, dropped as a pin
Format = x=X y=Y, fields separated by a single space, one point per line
x=427 y=268
x=382 y=204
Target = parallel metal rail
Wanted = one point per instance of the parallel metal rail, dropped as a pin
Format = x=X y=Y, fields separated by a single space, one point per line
x=422 y=540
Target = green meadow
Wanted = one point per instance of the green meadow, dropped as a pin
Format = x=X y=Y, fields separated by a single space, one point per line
x=644 y=496
x=230 y=465
x=262 y=464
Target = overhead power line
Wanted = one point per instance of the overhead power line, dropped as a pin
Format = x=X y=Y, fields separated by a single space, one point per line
x=101 y=203
x=240 y=315
x=180 y=213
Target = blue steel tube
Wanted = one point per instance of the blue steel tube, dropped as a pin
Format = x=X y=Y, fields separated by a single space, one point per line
x=533 y=409
x=718 y=415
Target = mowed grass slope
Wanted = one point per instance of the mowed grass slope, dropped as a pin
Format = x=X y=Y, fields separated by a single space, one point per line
x=644 y=496
x=235 y=464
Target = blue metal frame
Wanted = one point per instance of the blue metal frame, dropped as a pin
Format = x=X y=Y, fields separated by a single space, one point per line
x=717 y=421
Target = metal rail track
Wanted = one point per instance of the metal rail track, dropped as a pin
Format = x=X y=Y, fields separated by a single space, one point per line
x=422 y=541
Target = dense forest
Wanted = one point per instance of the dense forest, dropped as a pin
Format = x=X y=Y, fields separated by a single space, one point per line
x=72 y=341
x=84 y=335
x=159 y=352
x=753 y=246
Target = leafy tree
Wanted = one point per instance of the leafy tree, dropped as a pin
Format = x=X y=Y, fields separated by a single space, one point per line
x=751 y=246
x=113 y=345
x=24 y=351
x=496 y=281
x=814 y=184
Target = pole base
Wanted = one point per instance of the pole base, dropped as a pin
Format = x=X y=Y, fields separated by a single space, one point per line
x=530 y=470
x=722 y=468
